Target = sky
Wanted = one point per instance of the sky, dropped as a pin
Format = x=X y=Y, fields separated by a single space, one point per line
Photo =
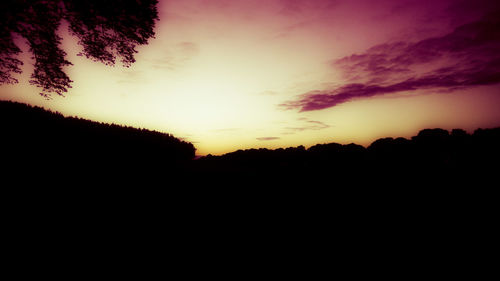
x=238 y=74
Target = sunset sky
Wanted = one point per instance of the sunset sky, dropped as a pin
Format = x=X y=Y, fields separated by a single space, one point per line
x=238 y=74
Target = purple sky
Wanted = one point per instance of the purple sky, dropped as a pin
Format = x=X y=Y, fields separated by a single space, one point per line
x=466 y=56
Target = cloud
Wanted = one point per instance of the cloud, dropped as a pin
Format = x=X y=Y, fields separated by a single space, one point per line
x=268 y=138
x=464 y=58
x=306 y=125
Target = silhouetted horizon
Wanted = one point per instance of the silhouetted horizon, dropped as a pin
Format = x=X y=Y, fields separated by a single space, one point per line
x=14 y=105
x=34 y=136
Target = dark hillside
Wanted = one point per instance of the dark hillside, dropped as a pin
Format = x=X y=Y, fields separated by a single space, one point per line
x=36 y=139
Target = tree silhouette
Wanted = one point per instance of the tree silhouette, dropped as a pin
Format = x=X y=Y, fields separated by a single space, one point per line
x=432 y=156
x=35 y=136
x=105 y=29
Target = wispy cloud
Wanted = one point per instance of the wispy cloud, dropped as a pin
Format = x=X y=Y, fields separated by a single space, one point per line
x=268 y=138
x=305 y=125
x=466 y=57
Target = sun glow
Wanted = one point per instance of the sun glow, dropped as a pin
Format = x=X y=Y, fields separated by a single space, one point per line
x=217 y=72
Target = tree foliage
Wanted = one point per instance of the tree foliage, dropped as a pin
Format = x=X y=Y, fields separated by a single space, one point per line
x=106 y=30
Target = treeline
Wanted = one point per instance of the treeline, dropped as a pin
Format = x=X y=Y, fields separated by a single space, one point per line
x=35 y=138
x=432 y=152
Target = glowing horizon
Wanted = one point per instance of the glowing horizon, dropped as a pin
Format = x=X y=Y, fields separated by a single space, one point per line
x=228 y=75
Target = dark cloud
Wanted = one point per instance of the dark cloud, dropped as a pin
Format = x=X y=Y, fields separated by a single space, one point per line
x=467 y=57
x=268 y=138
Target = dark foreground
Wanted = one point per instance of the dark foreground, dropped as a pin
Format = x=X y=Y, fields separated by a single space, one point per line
x=400 y=206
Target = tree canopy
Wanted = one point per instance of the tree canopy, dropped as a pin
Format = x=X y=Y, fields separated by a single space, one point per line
x=106 y=29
